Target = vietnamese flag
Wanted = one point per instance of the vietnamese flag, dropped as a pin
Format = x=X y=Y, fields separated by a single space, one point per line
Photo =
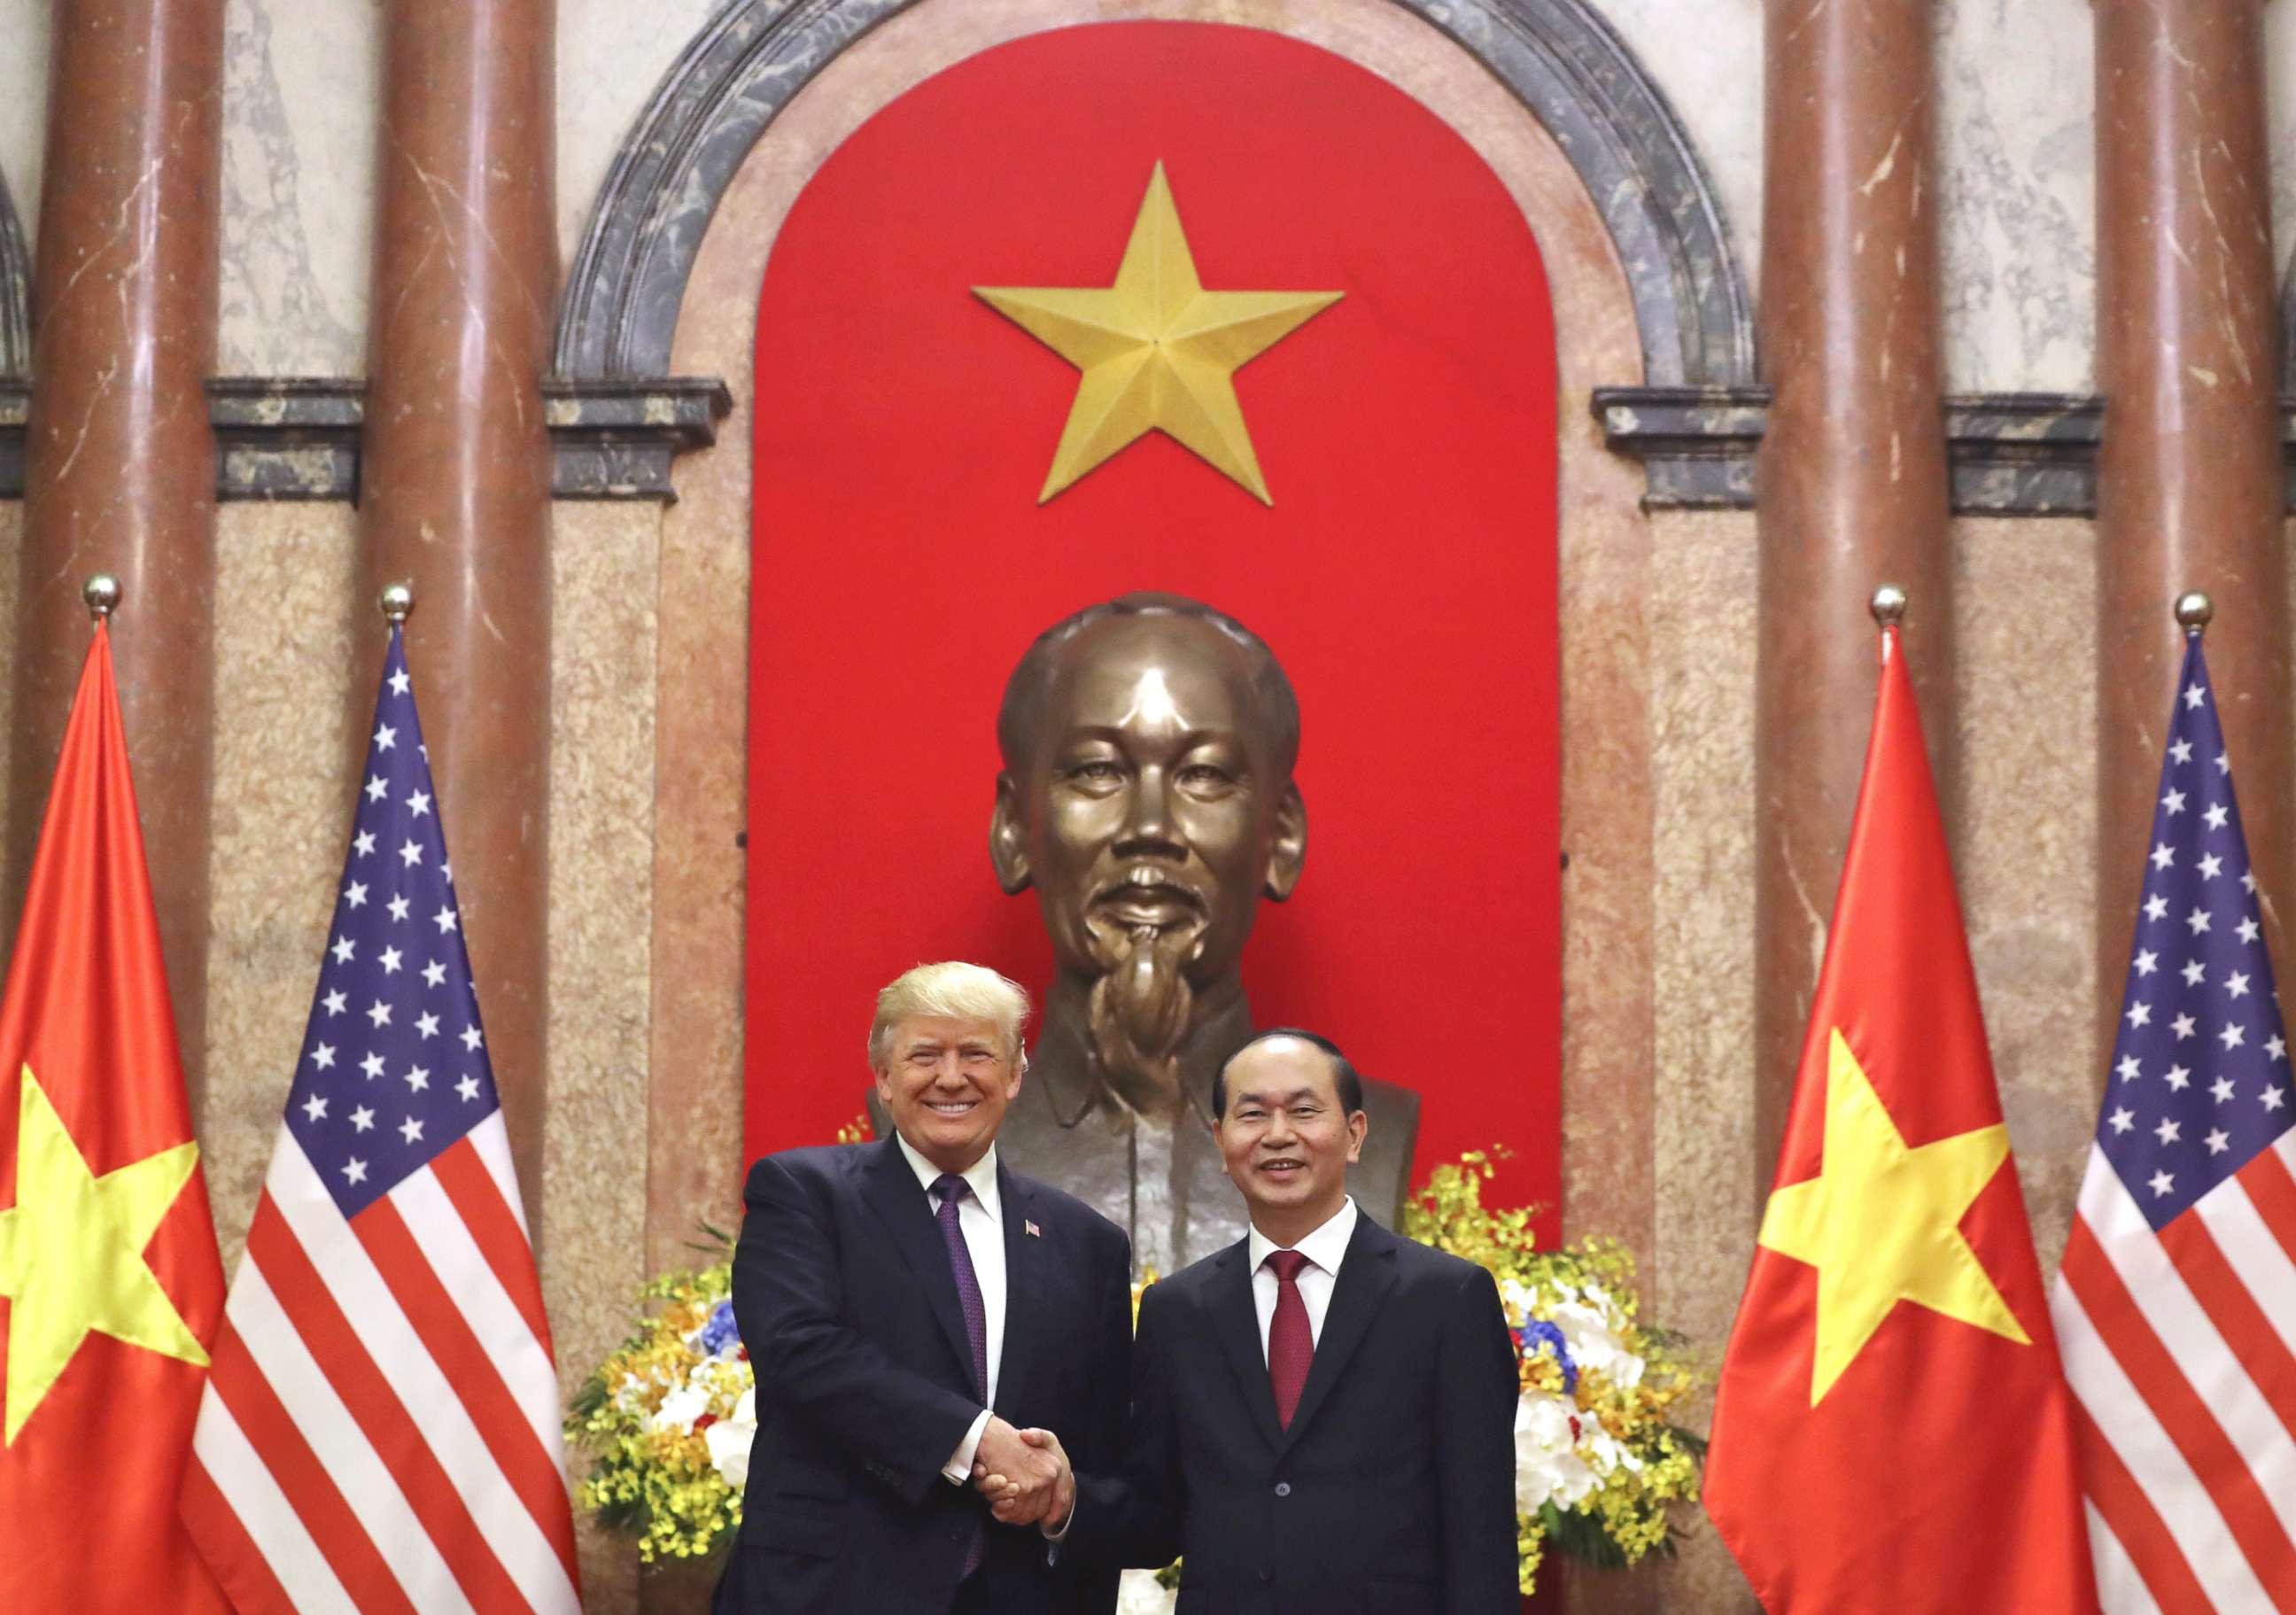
x=110 y=1283
x=1892 y=1432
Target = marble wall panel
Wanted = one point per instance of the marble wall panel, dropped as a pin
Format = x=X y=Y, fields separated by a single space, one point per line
x=24 y=29
x=2025 y=839
x=604 y=562
x=1706 y=1187
x=2016 y=167
x=285 y=626
x=299 y=121
x=610 y=55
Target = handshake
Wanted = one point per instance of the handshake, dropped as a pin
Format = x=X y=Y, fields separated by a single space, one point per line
x=1025 y=1475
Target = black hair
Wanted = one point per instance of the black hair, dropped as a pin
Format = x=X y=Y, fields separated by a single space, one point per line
x=1344 y=1074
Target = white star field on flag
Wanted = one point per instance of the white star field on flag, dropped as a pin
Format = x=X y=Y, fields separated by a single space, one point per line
x=394 y=1067
x=2200 y=1077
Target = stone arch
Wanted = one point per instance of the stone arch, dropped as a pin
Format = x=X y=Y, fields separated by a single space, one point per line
x=1565 y=63
x=15 y=292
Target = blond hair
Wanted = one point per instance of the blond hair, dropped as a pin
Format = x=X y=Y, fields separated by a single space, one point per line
x=954 y=988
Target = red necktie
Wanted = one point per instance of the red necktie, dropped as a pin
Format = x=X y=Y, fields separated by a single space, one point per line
x=1290 y=1344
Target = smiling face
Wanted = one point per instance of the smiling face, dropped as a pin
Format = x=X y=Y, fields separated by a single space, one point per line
x=1151 y=809
x=946 y=1084
x=1287 y=1139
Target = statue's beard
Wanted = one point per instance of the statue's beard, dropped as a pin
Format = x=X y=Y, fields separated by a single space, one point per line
x=1139 y=1016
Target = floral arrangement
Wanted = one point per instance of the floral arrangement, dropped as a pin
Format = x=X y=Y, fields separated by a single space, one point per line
x=667 y=1418
x=1599 y=1458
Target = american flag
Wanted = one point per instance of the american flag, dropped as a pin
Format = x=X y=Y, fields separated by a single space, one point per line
x=2175 y=1310
x=381 y=1426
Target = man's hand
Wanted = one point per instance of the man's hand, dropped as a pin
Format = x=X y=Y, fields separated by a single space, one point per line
x=1015 y=1494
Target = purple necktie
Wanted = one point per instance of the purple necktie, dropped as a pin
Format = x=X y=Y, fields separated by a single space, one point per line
x=949 y=1188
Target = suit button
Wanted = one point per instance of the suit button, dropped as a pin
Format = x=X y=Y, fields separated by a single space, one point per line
x=1268 y=1575
x=1283 y=1488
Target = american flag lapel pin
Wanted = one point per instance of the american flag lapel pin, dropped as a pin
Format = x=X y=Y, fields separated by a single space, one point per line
x=1034 y=1231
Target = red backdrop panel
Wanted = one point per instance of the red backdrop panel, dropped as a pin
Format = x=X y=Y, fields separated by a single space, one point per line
x=1404 y=575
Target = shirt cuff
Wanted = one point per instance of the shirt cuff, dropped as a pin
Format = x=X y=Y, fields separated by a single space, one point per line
x=959 y=1467
x=1057 y=1537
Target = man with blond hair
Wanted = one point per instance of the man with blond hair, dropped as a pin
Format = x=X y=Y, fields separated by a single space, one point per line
x=909 y=1306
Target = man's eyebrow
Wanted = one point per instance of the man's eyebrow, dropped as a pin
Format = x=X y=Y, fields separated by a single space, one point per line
x=1255 y=1098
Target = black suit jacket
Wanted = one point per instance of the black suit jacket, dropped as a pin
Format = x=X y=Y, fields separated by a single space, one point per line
x=1390 y=1493
x=843 y=1288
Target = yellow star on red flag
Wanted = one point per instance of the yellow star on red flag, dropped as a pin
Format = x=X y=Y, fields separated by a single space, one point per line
x=1882 y=1223
x=71 y=1256
x=1157 y=351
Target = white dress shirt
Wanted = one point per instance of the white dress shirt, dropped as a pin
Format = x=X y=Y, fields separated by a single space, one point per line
x=1325 y=1248
x=979 y=1218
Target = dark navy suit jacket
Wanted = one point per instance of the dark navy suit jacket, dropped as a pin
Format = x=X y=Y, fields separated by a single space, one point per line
x=1391 y=1492
x=843 y=1288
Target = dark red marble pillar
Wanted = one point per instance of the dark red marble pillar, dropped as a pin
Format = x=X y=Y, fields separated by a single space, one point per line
x=121 y=462
x=2189 y=489
x=454 y=494
x=1851 y=481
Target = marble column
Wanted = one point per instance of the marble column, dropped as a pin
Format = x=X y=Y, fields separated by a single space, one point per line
x=1851 y=481
x=119 y=460
x=2189 y=493
x=456 y=484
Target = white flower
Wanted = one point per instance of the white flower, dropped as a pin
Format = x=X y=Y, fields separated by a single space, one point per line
x=1547 y=1460
x=1604 y=1451
x=629 y=1395
x=729 y=1441
x=1593 y=1346
x=1138 y=1594
x=1519 y=1298
x=679 y=1408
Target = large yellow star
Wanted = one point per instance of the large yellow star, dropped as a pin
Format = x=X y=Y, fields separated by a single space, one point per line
x=71 y=1255
x=1157 y=350
x=1882 y=1223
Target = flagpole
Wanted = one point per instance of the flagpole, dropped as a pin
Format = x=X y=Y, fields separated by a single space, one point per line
x=2195 y=611
x=396 y=601
x=102 y=594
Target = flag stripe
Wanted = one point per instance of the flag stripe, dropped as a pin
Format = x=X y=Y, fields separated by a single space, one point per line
x=2208 y=1455
x=496 y=1228
x=448 y=1244
x=2131 y=1434
x=231 y=1498
x=2119 y=1586
x=491 y=1139
x=2262 y=1263
x=2231 y=1307
x=291 y=1326
x=2143 y=1549
x=277 y=1443
x=437 y=1315
x=2216 y=1369
x=2273 y=1190
x=506 y=1531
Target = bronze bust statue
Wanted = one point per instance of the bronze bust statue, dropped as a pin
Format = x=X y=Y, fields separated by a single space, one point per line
x=1147 y=798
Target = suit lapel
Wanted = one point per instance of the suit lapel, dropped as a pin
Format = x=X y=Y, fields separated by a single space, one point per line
x=1024 y=1257
x=906 y=1211
x=1367 y=1273
x=1236 y=1322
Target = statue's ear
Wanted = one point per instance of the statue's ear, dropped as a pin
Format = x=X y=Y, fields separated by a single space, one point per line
x=1290 y=850
x=1008 y=840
